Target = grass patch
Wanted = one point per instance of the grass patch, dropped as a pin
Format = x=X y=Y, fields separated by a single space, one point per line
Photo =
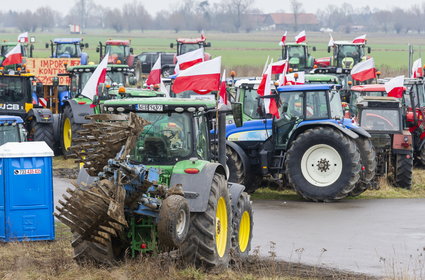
x=386 y=191
x=62 y=162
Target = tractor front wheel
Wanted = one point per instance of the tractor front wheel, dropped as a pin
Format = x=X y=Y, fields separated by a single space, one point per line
x=42 y=132
x=242 y=227
x=323 y=164
x=68 y=130
x=208 y=242
x=403 y=171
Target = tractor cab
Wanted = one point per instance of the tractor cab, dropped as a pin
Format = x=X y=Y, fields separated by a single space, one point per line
x=298 y=55
x=120 y=52
x=26 y=50
x=373 y=90
x=12 y=129
x=347 y=54
x=68 y=48
x=188 y=45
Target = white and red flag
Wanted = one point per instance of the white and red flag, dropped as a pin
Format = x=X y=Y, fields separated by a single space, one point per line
x=360 y=39
x=283 y=39
x=23 y=37
x=417 y=70
x=154 y=77
x=395 y=87
x=203 y=77
x=297 y=78
x=223 y=90
x=279 y=67
x=331 y=41
x=14 y=56
x=264 y=89
x=189 y=59
x=203 y=35
x=300 y=38
x=364 y=70
x=98 y=77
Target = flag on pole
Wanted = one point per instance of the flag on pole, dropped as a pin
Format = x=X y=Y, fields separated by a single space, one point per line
x=189 y=59
x=360 y=39
x=14 y=56
x=279 y=66
x=154 y=77
x=283 y=39
x=395 y=87
x=417 y=70
x=223 y=90
x=163 y=89
x=203 y=35
x=265 y=65
x=203 y=77
x=300 y=38
x=364 y=70
x=264 y=89
x=98 y=77
x=23 y=37
x=331 y=41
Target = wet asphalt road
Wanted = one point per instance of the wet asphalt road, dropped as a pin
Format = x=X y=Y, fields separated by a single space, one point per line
x=383 y=237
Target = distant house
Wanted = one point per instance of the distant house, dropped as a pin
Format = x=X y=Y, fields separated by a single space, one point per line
x=286 y=21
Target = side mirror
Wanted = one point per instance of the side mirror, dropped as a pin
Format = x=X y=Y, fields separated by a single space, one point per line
x=284 y=107
x=47 y=45
x=369 y=49
x=237 y=113
x=39 y=90
x=86 y=45
x=207 y=45
x=131 y=50
x=32 y=39
x=314 y=48
x=329 y=49
x=132 y=80
x=97 y=49
x=171 y=45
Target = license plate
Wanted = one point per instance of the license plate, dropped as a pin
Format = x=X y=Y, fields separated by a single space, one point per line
x=150 y=107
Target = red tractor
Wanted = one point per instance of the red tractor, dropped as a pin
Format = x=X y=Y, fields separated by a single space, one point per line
x=119 y=51
x=188 y=45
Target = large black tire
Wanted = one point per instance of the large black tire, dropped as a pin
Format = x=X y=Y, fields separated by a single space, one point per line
x=200 y=246
x=369 y=163
x=403 y=171
x=422 y=155
x=42 y=132
x=325 y=154
x=238 y=174
x=68 y=130
x=92 y=253
x=242 y=227
x=174 y=220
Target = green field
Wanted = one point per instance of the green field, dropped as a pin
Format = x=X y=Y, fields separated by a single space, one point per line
x=245 y=52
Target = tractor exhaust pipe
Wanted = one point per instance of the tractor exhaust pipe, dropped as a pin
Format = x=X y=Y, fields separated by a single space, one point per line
x=222 y=138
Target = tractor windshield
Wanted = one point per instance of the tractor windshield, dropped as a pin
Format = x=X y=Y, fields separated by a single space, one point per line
x=297 y=56
x=349 y=55
x=115 y=78
x=11 y=133
x=185 y=48
x=15 y=90
x=355 y=96
x=335 y=105
x=252 y=104
x=67 y=50
x=380 y=120
x=117 y=52
x=167 y=139
x=7 y=48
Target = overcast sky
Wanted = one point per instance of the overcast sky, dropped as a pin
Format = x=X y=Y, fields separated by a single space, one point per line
x=154 y=6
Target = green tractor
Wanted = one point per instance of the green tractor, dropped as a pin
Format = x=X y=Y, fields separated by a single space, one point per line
x=298 y=55
x=170 y=186
x=347 y=54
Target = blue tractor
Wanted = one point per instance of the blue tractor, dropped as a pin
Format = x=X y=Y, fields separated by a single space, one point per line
x=311 y=147
x=69 y=48
x=12 y=129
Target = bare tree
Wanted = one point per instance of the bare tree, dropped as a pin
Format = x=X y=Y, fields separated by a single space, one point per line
x=296 y=7
x=45 y=17
x=81 y=12
x=237 y=10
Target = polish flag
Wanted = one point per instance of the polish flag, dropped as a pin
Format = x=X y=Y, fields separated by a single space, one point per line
x=98 y=77
x=395 y=87
x=264 y=89
x=189 y=59
x=300 y=38
x=203 y=35
x=203 y=77
x=14 y=56
x=331 y=41
x=364 y=70
x=279 y=66
x=300 y=80
x=417 y=70
x=154 y=77
x=223 y=90
x=360 y=39
x=23 y=37
x=283 y=39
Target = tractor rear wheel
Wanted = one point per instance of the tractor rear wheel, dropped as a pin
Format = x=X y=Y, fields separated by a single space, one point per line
x=242 y=227
x=403 y=171
x=42 y=132
x=368 y=157
x=322 y=164
x=208 y=242
x=238 y=173
x=68 y=130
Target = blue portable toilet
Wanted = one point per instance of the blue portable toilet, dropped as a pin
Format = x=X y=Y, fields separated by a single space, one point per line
x=26 y=192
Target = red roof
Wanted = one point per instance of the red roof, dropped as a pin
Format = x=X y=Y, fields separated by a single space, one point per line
x=118 y=42
x=371 y=87
x=289 y=19
x=190 y=41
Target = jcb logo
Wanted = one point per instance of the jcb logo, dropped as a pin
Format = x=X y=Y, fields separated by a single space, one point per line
x=9 y=107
